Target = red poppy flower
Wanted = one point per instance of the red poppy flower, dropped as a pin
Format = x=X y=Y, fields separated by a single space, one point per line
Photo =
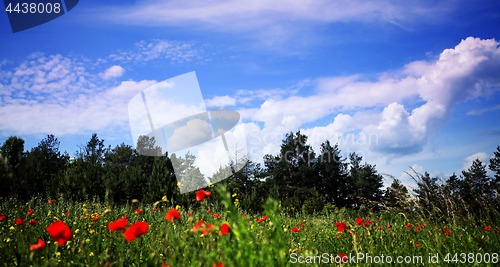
x=264 y=218
x=2 y=218
x=343 y=257
x=487 y=228
x=197 y=226
x=219 y=264
x=60 y=232
x=209 y=211
x=387 y=226
x=444 y=227
x=341 y=226
x=202 y=194
x=154 y=209
x=447 y=233
x=172 y=215
x=124 y=217
x=95 y=218
x=295 y=229
x=51 y=201
x=136 y=230
x=19 y=221
x=418 y=229
x=224 y=229
x=416 y=244
x=138 y=211
x=496 y=231
x=30 y=211
x=32 y=222
x=217 y=216
x=367 y=223
x=189 y=214
x=118 y=225
x=359 y=221
x=206 y=231
x=243 y=215
x=164 y=265
x=40 y=245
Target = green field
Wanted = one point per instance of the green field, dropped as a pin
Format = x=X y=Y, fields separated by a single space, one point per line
x=252 y=240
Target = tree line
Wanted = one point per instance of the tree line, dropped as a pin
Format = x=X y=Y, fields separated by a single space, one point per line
x=297 y=177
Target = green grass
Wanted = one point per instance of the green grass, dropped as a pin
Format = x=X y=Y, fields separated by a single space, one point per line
x=270 y=242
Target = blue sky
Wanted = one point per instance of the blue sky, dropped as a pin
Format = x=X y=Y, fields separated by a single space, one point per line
x=423 y=78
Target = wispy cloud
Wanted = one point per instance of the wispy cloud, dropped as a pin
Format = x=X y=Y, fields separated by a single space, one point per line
x=273 y=22
x=483 y=110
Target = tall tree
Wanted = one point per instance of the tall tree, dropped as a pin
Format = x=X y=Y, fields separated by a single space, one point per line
x=333 y=183
x=428 y=192
x=495 y=167
x=396 y=195
x=44 y=162
x=293 y=171
x=367 y=184
x=475 y=186
x=90 y=160
x=13 y=178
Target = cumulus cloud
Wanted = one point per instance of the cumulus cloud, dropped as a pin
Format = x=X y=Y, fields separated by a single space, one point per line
x=112 y=72
x=465 y=72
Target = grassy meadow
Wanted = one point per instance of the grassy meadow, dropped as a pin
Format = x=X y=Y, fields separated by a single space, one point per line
x=274 y=238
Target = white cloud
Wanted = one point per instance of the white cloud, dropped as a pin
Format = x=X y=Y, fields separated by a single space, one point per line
x=176 y=52
x=465 y=72
x=56 y=95
x=483 y=110
x=483 y=157
x=221 y=101
x=270 y=17
x=112 y=72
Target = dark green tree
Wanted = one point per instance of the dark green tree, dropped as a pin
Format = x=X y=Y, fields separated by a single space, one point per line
x=334 y=183
x=367 y=184
x=495 y=167
x=292 y=172
x=396 y=196
x=13 y=172
x=44 y=163
x=90 y=160
x=428 y=193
